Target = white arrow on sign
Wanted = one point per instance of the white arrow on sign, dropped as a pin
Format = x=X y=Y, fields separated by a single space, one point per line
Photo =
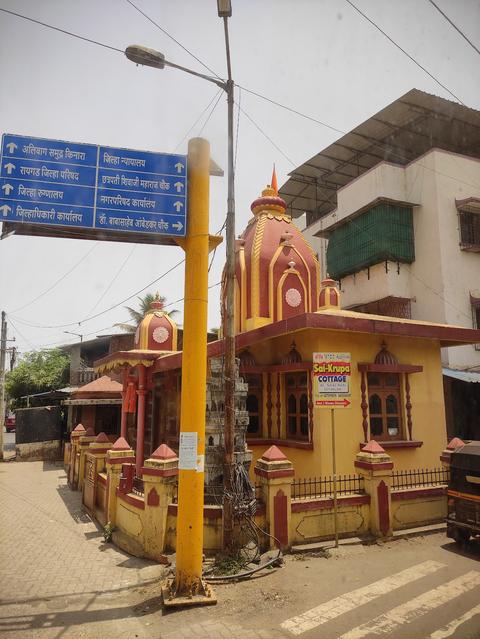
x=178 y=206
x=7 y=188
x=178 y=186
x=11 y=146
x=178 y=226
x=9 y=168
x=179 y=166
x=5 y=209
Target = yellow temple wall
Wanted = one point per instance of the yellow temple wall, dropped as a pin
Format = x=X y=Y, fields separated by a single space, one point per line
x=426 y=391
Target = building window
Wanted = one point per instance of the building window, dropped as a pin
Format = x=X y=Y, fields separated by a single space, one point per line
x=296 y=394
x=384 y=403
x=476 y=318
x=254 y=404
x=470 y=230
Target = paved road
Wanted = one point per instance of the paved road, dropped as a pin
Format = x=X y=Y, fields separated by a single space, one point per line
x=58 y=580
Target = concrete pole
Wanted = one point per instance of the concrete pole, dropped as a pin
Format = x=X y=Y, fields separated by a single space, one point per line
x=3 y=349
x=229 y=322
x=194 y=374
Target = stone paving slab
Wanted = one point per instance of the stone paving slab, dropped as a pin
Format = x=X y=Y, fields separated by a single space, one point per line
x=56 y=574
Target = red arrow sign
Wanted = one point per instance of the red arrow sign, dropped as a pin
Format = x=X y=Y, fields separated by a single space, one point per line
x=333 y=403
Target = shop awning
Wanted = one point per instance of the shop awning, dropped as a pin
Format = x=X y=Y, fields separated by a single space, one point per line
x=463 y=376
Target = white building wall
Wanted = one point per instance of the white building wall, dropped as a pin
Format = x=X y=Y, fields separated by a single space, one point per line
x=440 y=279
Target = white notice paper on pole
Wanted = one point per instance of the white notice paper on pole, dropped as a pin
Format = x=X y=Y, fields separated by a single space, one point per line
x=187 y=457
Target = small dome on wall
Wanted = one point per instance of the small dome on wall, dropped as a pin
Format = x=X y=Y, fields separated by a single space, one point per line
x=157 y=331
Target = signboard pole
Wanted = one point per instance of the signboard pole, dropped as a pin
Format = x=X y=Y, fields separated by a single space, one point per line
x=187 y=588
x=334 y=465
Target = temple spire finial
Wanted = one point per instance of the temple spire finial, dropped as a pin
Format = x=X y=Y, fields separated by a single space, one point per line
x=274 y=183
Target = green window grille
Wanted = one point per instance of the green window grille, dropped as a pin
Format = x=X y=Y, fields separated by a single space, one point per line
x=384 y=232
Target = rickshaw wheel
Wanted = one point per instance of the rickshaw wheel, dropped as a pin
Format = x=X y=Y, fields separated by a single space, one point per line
x=461 y=536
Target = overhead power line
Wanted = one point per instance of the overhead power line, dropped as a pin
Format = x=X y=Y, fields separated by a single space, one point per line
x=198 y=119
x=70 y=33
x=50 y=288
x=91 y=317
x=454 y=26
x=164 y=31
x=210 y=114
x=115 y=277
x=403 y=50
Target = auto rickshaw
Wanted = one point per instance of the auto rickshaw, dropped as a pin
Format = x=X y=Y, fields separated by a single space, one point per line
x=463 y=520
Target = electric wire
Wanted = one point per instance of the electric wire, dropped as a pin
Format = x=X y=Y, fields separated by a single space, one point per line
x=259 y=128
x=50 y=288
x=27 y=341
x=238 y=127
x=377 y=143
x=197 y=120
x=70 y=33
x=87 y=319
x=454 y=26
x=115 y=277
x=403 y=51
x=165 y=32
x=210 y=114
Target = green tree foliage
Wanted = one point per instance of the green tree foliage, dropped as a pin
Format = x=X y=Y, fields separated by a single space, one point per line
x=137 y=315
x=38 y=372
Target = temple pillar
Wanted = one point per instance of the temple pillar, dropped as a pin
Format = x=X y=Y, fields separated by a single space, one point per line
x=141 y=392
x=160 y=476
x=84 y=443
x=275 y=473
x=119 y=454
x=375 y=466
x=123 y=422
x=72 y=472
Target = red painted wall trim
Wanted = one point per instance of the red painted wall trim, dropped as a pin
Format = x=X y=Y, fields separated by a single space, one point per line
x=281 y=443
x=390 y=368
x=299 y=505
x=158 y=472
x=415 y=493
x=373 y=466
x=120 y=460
x=401 y=443
x=273 y=473
x=130 y=499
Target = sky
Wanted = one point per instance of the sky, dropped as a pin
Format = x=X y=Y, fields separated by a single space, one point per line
x=319 y=57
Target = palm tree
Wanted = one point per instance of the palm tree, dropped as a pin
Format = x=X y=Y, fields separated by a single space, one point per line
x=144 y=306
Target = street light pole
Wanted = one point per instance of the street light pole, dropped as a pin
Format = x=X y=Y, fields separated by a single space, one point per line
x=229 y=319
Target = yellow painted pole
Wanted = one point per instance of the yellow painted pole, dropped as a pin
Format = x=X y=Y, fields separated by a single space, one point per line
x=194 y=374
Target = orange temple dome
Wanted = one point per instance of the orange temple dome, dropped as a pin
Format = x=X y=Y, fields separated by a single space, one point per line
x=157 y=331
x=277 y=274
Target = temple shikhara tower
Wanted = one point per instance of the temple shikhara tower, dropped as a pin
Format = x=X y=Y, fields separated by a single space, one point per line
x=277 y=273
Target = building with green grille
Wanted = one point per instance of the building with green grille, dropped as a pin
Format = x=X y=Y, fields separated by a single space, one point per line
x=392 y=209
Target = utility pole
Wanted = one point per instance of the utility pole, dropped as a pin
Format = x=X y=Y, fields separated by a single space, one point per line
x=3 y=350
x=229 y=320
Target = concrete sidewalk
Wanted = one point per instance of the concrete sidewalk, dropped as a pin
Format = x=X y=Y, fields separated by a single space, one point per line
x=58 y=578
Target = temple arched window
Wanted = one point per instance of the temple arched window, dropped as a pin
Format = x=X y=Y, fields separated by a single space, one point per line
x=386 y=400
x=254 y=403
x=296 y=392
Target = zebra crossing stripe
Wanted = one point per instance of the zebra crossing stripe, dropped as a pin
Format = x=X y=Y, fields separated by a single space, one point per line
x=448 y=630
x=351 y=600
x=411 y=610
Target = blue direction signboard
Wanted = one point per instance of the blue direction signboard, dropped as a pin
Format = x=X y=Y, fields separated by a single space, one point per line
x=92 y=187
